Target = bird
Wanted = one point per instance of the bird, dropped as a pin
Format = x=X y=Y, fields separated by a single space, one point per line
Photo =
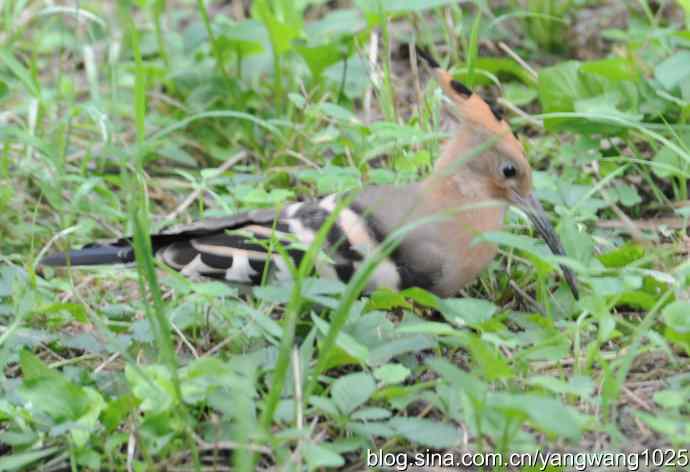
x=481 y=170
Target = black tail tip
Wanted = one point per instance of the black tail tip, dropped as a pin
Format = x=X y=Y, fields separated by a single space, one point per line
x=427 y=57
x=90 y=255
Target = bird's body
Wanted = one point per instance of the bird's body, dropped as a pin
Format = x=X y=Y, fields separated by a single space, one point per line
x=237 y=248
x=481 y=170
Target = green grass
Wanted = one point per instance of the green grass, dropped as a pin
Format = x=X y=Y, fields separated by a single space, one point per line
x=117 y=119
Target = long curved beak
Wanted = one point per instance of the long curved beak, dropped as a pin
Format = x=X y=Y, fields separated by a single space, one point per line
x=536 y=214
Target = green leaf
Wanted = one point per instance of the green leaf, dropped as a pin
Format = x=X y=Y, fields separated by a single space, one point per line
x=473 y=49
x=545 y=413
x=373 y=10
x=321 y=56
x=33 y=367
x=371 y=414
x=335 y=25
x=459 y=379
x=88 y=421
x=616 y=68
x=577 y=385
x=326 y=405
x=467 y=311
x=352 y=390
x=337 y=113
x=21 y=72
x=23 y=459
x=504 y=67
x=578 y=245
x=673 y=427
x=344 y=341
x=281 y=30
x=387 y=299
x=671 y=398
x=622 y=256
x=421 y=296
x=519 y=94
x=674 y=70
x=214 y=289
x=391 y=373
x=55 y=396
x=244 y=37
x=155 y=390
x=4 y=89
x=489 y=360
x=669 y=162
x=426 y=432
x=429 y=327
x=559 y=86
x=676 y=315
x=318 y=456
x=387 y=350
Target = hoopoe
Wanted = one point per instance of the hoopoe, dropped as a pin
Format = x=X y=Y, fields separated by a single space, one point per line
x=482 y=169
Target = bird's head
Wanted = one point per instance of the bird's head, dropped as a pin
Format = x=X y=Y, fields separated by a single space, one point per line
x=484 y=148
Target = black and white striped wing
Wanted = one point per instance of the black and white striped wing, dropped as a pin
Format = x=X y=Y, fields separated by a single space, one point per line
x=241 y=248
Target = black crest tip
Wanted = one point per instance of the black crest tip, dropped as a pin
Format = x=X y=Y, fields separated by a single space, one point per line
x=460 y=88
x=427 y=57
x=496 y=110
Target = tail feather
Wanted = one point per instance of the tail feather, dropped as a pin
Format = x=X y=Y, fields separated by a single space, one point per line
x=91 y=255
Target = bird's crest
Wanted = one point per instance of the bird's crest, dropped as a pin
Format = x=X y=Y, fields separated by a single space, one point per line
x=469 y=106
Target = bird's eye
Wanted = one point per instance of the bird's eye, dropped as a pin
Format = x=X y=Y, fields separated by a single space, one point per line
x=508 y=170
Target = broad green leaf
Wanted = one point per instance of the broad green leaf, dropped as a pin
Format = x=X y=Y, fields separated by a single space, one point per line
x=280 y=29
x=391 y=373
x=578 y=245
x=671 y=398
x=337 y=113
x=352 y=390
x=387 y=350
x=674 y=70
x=22 y=459
x=559 y=86
x=345 y=341
x=429 y=327
x=214 y=289
x=374 y=9
x=616 y=68
x=371 y=414
x=669 y=162
x=387 y=299
x=88 y=421
x=519 y=94
x=55 y=396
x=33 y=367
x=335 y=24
x=426 y=432
x=489 y=360
x=676 y=315
x=21 y=72
x=459 y=379
x=467 y=311
x=320 y=57
x=318 y=456
x=156 y=391
x=577 y=385
x=622 y=256
x=244 y=38
x=324 y=404
x=421 y=296
x=670 y=426
x=545 y=413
